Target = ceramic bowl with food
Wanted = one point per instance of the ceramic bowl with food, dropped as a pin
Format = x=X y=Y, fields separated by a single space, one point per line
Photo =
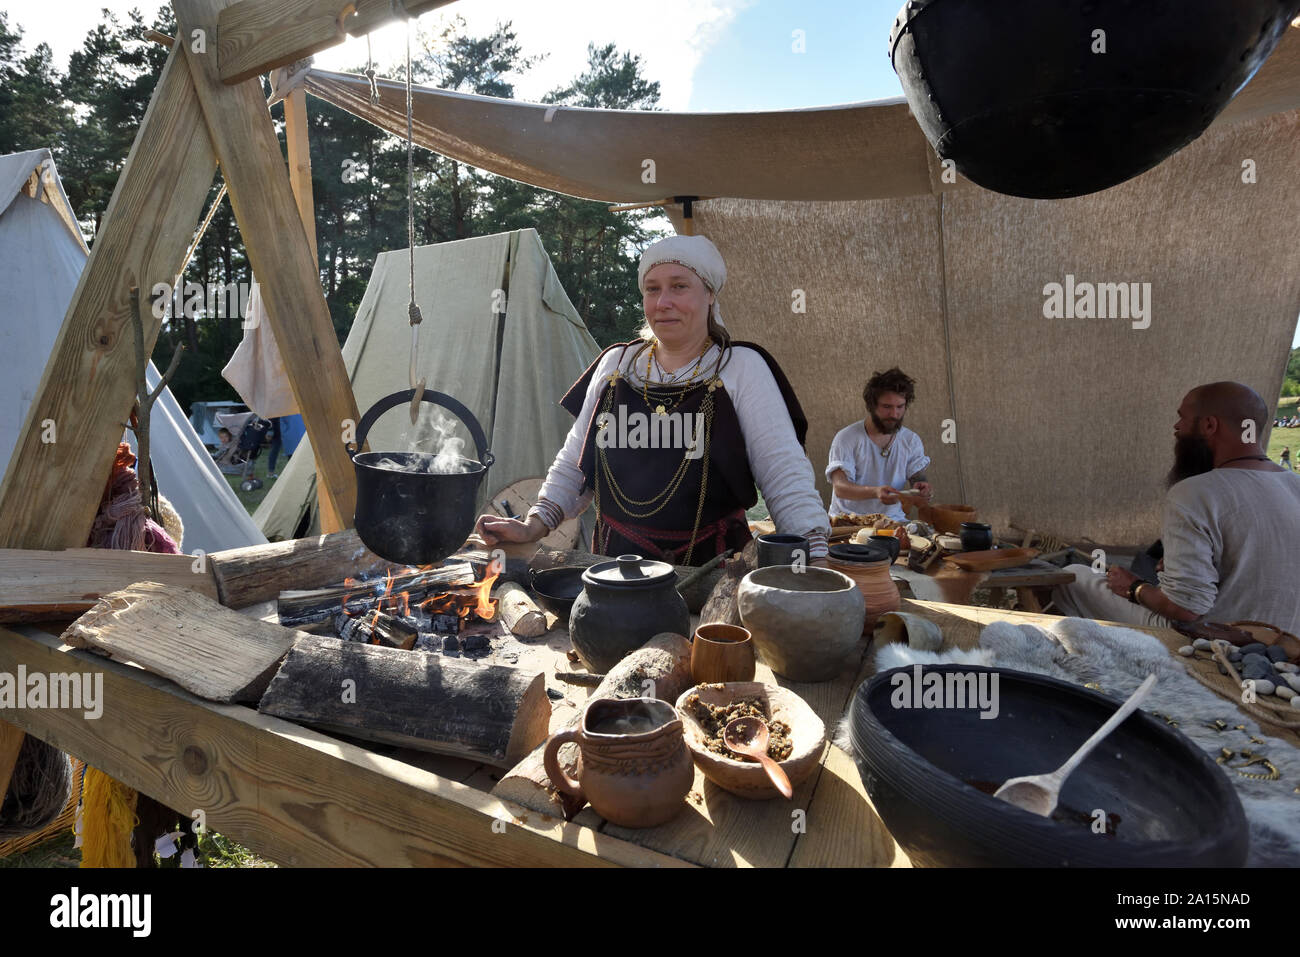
x=742 y=777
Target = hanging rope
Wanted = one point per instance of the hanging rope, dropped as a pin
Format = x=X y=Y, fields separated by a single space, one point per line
x=370 y=74
x=413 y=309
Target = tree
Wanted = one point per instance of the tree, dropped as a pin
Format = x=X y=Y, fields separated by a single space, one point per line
x=32 y=111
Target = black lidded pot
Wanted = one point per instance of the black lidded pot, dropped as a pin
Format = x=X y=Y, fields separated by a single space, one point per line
x=976 y=536
x=624 y=603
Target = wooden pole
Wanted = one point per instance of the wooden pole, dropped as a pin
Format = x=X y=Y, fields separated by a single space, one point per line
x=280 y=253
x=299 y=145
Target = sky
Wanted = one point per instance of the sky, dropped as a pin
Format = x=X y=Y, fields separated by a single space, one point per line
x=707 y=55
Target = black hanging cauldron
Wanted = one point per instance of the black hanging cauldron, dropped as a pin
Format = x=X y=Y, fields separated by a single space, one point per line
x=416 y=517
x=1013 y=93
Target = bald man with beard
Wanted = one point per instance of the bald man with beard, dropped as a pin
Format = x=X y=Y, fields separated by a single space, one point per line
x=1231 y=528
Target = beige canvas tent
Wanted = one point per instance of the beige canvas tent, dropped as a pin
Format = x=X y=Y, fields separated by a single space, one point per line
x=1063 y=425
x=508 y=368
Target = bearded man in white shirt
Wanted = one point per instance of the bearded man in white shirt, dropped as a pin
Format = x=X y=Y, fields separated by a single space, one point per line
x=873 y=458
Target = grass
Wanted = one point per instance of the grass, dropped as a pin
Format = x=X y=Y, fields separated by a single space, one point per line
x=214 y=850
x=250 y=500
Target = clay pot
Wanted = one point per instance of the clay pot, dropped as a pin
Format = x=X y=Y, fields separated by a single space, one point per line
x=747 y=779
x=804 y=623
x=777 y=549
x=635 y=769
x=624 y=603
x=947 y=518
x=722 y=652
x=870 y=572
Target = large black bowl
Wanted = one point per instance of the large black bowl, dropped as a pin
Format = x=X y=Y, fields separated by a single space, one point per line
x=558 y=588
x=1013 y=93
x=1170 y=805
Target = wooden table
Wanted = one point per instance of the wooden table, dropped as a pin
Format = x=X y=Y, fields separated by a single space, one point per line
x=301 y=797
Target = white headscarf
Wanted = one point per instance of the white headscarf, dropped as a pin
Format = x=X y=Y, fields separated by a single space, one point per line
x=697 y=254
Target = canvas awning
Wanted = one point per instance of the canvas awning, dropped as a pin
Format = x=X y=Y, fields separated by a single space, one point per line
x=851 y=152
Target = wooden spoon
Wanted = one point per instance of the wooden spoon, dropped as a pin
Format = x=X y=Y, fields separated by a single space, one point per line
x=748 y=736
x=1038 y=793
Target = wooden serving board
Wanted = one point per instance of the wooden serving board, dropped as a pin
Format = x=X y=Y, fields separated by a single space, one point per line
x=204 y=647
x=992 y=559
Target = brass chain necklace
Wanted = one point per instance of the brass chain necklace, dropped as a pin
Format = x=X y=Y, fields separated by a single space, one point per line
x=624 y=502
x=660 y=408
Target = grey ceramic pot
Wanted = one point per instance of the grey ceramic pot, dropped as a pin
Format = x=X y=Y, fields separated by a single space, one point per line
x=804 y=623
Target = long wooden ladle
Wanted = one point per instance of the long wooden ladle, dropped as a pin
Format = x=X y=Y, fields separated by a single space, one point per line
x=748 y=736
x=1038 y=793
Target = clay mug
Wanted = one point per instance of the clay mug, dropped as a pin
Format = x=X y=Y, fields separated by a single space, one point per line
x=634 y=767
x=722 y=653
x=776 y=549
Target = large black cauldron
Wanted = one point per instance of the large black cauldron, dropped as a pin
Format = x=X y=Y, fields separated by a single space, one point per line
x=1013 y=92
x=406 y=513
x=930 y=773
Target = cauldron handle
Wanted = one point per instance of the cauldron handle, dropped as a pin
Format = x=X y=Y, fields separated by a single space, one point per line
x=437 y=398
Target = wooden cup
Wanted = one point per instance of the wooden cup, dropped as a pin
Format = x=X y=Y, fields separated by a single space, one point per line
x=722 y=653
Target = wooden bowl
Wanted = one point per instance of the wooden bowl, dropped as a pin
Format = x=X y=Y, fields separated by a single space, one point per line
x=747 y=779
x=947 y=518
x=993 y=559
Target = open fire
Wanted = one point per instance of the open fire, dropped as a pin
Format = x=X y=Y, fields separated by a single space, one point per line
x=441 y=609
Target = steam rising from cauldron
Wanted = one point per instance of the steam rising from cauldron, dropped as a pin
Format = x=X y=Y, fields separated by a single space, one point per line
x=433 y=431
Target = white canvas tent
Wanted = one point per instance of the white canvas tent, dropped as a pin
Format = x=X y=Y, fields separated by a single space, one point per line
x=42 y=256
x=509 y=369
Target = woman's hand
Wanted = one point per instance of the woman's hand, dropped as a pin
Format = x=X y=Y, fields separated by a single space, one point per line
x=925 y=490
x=494 y=529
x=887 y=495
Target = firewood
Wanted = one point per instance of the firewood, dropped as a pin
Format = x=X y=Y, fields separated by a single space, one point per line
x=519 y=612
x=257 y=573
x=722 y=605
x=393 y=632
x=303 y=607
x=661 y=668
x=494 y=714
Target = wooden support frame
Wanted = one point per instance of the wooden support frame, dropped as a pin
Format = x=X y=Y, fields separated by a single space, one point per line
x=255 y=36
x=55 y=480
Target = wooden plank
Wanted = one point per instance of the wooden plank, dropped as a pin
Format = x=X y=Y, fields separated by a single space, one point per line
x=844 y=829
x=51 y=490
x=11 y=742
x=212 y=651
x=257 y=573
x=241 y=130
x=256 y=36
x=287 y=793
x=299 y=149
x=39 y=585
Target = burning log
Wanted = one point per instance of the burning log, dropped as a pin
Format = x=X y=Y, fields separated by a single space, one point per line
x=256 y=573
x=377 y=628
x=664 y=661
x=489 y=713
x=519 y=612
x=392 y=593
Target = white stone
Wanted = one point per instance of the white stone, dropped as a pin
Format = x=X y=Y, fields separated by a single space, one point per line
x=1295 y=702
x=1286 y=666
x=1202 y=644
x=1293 y=681
x=1186 y=651
x=1285 y=691
x=1263 y=687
